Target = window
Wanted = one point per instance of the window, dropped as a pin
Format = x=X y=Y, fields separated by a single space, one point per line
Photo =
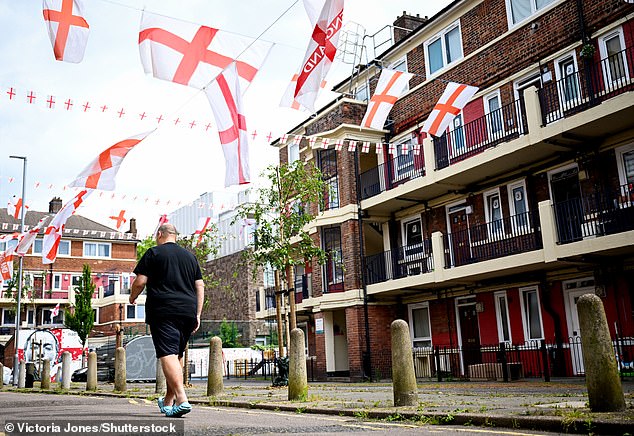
x=443 y=49
x=420 y=327
x=125 y=284
x=47 y=314
x=30 y=317
x=493 y=212
x=611 y=48
x=404 y=163
x=361 y=93
x=519 y=10
x=412 y=236
x=401 y=65
x=493 y=111
x=293 y=152
x=95 y=315
x=457 y=136
x=96 y=249
x=333 y=269
x=625 y=164
x=56 y=284
x=502 y=315
x=567 y=76
x=8 y=317
x=135 y=312
x=518 y=204
x=327 y=160
x=37 y=246
x=8 y=244
x=531 y=314
x=64 y=248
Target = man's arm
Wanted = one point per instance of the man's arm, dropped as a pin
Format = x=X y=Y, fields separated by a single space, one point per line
x=200 y=298
x=137 y=287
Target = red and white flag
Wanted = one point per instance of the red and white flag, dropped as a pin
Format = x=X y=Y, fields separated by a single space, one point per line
x=226 y=103
x=452 y=101
x=119 y=219
x=289 y=101
x=14 y=207
x=162 y=220
x=194 y=55
x=204 y=224
x=67 y=29
x=391 y=85
x=101 y=172
x=326 y=18
x=55 y=311
x=27 y=238
x=53 y=233
x=6 y=265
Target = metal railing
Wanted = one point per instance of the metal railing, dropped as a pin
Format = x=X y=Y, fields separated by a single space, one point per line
x=398 y=263
x=594 y=83
x=598 y=213
x=502 y=125
x=504 y=237
x=396 y=171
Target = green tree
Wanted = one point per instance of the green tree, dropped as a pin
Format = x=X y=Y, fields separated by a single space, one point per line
x=144 y=246
x=229 y=334
x=82 y=318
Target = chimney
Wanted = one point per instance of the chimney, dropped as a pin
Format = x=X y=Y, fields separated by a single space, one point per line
x=55 y=205
x=404 y=24
x=132 y=226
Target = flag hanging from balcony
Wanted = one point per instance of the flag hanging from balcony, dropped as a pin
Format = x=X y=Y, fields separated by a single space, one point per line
x=53 y=233
x=391 y=85
x=326 y=19
x=194 y=55
x=101 y=172
x=67 y=29
x=14 y=207
x=452 y=101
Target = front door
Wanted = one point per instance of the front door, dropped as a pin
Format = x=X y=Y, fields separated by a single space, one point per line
x=566 y=197
x=571 y=297
x=469 y=335
x=459 y=229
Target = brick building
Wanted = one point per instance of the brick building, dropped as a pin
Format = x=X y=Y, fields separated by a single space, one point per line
x=489 y=233
x=111 y=256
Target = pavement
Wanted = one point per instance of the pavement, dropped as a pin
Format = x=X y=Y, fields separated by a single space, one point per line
x=560 y=405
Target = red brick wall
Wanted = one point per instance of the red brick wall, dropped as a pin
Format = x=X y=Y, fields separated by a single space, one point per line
x=487 y=320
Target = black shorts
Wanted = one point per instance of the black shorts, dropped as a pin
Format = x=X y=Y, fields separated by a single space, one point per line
x=171 y=336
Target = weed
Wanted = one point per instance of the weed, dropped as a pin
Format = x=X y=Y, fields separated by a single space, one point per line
x=394 y=417
x=300 y=410
x=361 y=414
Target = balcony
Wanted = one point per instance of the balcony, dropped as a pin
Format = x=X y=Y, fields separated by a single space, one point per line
x=401 y=262
x=595 y=214
x=502 y=125
x=504 y=237
x=593 y=85
x=391 y=174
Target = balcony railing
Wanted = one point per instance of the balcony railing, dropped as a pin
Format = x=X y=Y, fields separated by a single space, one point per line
x=590 y=86
x=502 y=125
x=401 y=262
x=504 y=237
x=595 y=214
x=396 y=171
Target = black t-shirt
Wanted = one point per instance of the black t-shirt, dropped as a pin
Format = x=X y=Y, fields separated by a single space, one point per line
x=171 y=290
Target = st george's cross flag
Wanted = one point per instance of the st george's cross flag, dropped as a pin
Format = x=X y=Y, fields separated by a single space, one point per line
x=101 y=172
x=326 y=18
x=204 y=224
x=194 y=55
x=391 y=85
x=67 y=29
x=225 y=98
x=27 y=238
x=452 y=101
x=288 y=100
x=14 y=207
x=6 y=265
x=162 y=220
x=54 y=230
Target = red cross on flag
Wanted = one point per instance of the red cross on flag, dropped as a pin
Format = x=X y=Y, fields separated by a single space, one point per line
x=119 y=219
x=204 y=224
x=101 y=172
x=14 y=207
x=194 y=55
x=225 y=97
x=27 y=238
x=6 y=265
x=67 y=29
x=162 y=220
x=53 y=233
x=452 y=101
x=55 y=311
x=289 y=101
x=391 y=85
x=326 y=19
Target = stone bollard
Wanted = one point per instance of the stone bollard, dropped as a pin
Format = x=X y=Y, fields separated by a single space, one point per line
x=91 y=374
x=216 y=368
x=161 y=383
x=22 y=375
x=66 y=358
x=46 y=374
x=119 y=370
x=403 y=376
x=29 y=378
x=605 y=393
x=297 y=381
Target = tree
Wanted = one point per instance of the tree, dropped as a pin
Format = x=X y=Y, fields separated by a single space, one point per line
x=82 y=318
x=229 y=334
x=144 y=246
x=282 y=213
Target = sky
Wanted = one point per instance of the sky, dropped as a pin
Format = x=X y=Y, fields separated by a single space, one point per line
x=178 y=162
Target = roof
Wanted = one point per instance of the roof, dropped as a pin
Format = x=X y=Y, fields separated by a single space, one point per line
x=77 y=226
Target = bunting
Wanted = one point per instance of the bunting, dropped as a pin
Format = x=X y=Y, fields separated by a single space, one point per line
x=14 y=207
x=67 y=29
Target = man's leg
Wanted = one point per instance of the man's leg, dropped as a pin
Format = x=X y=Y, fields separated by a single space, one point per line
x=173 y=371
x=170 y=396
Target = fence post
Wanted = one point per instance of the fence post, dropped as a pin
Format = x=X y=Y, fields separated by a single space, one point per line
x=545 y=360
x=503 y=361
x=228 y=373
x=437 y=361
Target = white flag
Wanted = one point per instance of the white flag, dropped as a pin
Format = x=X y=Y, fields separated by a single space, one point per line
x=54 y=230
x=67 y=29
x=452 y=101
x=391 y=85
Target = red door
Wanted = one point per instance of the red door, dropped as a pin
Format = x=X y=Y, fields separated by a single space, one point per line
x=459 y=228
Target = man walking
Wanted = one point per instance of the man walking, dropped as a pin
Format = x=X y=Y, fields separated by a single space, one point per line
x=175 y=292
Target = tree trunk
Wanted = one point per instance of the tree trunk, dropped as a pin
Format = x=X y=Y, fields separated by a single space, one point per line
x=290 y=280
x=278 y=315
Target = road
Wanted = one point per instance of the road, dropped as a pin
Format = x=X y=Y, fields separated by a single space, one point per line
x=204 y=420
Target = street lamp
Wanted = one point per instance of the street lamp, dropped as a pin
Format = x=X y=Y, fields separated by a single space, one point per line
x=16 y=361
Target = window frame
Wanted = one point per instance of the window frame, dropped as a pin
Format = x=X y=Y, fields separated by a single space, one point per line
x=525 y=314
x=410 y=311
x=292 y=150
x=534 y=11
x=407 y=168
x=443 y=45
x=498 y=317
x=54 y=276
x=564 y=101
x=3 y=322
x=497 y=232
x=46 y=320
x=136 y=312
x=517 y=226
x=97 y=244
x=603 y=51
x=620 y=165
x=396 y=65
x=35 y=243
x=489 y=115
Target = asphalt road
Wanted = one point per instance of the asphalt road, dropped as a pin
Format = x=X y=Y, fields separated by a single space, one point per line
x=56 y=410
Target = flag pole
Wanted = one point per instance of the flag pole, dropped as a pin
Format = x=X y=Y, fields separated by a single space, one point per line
x=16 y=361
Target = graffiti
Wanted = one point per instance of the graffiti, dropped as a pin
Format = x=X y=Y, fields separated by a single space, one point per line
x=37 y=345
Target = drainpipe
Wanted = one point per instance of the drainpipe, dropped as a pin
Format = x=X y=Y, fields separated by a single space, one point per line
x=546 y=302
x=367 y=361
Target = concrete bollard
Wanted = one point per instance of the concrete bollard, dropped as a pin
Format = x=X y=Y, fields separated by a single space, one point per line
x=161 y=383
x=91 y=374
x=66 y=359
x=29 y=378
x=403 y=376
x=22 y=375
x=216 y=368
x=297 y=380
x=605 y=393
x=119 y=370
x=46 y=374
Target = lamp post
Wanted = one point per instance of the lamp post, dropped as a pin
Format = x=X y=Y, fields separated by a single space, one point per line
x=16 y=361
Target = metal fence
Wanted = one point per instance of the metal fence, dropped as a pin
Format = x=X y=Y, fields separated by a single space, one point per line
x=394 y=172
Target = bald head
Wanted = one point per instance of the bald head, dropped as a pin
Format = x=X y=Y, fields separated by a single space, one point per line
x=166 y=233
